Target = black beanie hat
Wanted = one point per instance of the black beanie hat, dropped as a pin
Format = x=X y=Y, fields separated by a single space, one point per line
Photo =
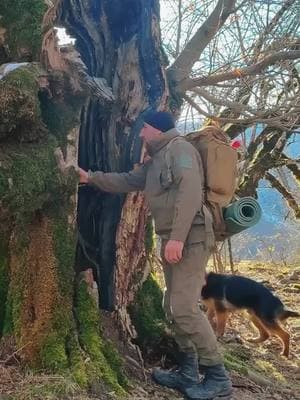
x=161 y=120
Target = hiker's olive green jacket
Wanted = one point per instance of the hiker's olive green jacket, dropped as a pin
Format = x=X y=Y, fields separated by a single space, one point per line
x=173 y=183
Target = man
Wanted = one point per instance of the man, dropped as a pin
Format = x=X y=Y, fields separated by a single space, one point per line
x=173 y=183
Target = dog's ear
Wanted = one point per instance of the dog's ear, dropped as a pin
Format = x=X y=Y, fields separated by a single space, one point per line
x=207 y=274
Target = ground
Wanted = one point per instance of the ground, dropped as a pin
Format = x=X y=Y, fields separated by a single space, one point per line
x=270 y=376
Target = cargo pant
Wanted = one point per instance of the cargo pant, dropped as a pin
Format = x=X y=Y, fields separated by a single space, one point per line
x=184 y=282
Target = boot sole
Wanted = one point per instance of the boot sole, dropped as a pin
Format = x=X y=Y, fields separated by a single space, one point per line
x=175 y=387
x=218 y=397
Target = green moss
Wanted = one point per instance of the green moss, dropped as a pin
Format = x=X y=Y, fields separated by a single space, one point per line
x=242 y=360
x=234 y=363
x=30 y=180
x=115 y=362
x=269 y=369
x=90 y=339
x=4 y=281
x=12 y=322
x=24 y=78
x=27 y=191
x=56 y=352
x=23 y=20
x=77 y=363
x=53 y=353
x=147 y=313
x=20 y=112
x=60 y=352
x=149 y=237
x=64 y=247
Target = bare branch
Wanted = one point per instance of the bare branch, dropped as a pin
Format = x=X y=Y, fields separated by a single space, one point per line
x=259 y=44
x=233 y=105
x=183 y=65
x=179 y=27
x=272 y=121
x=192 y=103
x=293 y=167
x=249 y=83
x=240 y=73
x=276 y=184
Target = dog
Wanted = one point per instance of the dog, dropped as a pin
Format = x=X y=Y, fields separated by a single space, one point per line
x=223 y=294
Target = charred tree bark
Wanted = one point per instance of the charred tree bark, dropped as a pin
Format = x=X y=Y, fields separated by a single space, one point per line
x=118 y=42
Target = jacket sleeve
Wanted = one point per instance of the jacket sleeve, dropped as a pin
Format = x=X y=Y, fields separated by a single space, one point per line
x=124 y=182
x=188 y=177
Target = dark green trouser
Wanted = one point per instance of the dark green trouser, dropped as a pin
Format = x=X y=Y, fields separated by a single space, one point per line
x=184 y=282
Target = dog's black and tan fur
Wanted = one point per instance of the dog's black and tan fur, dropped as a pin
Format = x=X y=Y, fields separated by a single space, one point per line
x=223 y=294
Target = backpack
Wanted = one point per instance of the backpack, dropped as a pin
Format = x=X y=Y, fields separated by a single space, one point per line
x=220 y=162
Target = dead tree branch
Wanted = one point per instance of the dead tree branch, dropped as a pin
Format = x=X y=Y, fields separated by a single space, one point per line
x=290 y=199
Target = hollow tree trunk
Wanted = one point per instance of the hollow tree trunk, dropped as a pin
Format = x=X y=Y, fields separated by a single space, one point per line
x=120 y=42
x=84 y=102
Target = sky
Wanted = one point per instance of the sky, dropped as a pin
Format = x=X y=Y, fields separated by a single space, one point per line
x=274 y=208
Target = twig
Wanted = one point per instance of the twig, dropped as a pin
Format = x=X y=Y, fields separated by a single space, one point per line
x=4 y=362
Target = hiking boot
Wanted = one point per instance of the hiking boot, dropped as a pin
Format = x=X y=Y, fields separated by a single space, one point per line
x=186 y=376
x=215 y=385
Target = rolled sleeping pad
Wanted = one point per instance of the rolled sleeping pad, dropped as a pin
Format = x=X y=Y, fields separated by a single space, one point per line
x=242 y=214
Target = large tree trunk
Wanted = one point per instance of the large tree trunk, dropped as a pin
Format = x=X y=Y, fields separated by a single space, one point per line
x=44 y=304
x=120 y=42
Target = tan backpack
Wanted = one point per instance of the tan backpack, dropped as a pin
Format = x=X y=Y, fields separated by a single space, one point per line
x=220 y=171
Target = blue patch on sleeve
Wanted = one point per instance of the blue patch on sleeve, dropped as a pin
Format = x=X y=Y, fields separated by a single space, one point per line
x=185 y=161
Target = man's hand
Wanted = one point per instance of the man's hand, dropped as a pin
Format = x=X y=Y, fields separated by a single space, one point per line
x=173 y=251
x=83 y=176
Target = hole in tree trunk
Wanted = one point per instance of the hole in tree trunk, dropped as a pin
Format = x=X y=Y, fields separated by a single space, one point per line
x=116 y=42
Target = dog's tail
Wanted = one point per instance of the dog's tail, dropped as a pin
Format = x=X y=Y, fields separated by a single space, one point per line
x=285 y=314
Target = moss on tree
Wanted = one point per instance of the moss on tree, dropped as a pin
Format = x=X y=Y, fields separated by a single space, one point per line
x=103 y=363
x=147 y=313
x=149 y=237
x=29 y=178
x=23 y=21
x=20 y=113
x=15 y=289
x=38 y=284
x=4 y=281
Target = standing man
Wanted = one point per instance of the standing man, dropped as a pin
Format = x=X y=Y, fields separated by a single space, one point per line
x=173 y=183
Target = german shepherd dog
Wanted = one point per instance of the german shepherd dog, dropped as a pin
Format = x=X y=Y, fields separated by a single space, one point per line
x=223 y=294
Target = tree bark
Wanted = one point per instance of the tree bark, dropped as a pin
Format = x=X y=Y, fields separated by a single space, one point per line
x=120 y=43
x=87 y=103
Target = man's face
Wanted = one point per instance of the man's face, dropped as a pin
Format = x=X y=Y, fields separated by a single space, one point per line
x=149 y=134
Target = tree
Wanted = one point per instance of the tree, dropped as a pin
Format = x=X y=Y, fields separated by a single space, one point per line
x=244 y=79
x=87 y=102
